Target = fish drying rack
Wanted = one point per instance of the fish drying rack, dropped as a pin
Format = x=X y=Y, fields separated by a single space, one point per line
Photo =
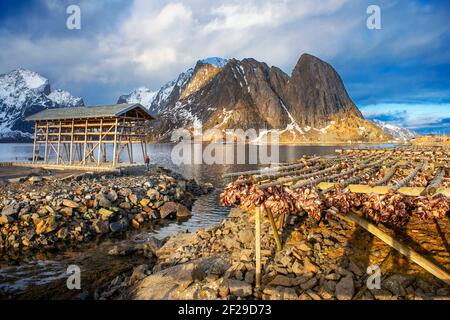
x=363 y=186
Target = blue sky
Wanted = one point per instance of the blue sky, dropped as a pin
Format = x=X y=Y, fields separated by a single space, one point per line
x=399 y=74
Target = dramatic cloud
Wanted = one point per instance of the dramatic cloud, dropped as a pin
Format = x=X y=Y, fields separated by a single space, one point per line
x=126 y=44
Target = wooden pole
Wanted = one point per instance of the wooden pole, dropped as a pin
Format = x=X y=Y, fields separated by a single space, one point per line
x=142 y=148
x=46 y=143
x=71 y=143
x=34 y=143
x=59 y=143
x=85 y=143
x=274 y=229
x=406 y=251
x=115 y=142
x=131 y=151
x=100 y=139
x=258 y=247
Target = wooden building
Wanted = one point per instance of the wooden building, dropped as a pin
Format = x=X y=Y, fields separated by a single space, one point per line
x=89 y=136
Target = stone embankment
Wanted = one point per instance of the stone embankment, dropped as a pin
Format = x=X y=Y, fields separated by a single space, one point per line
x=42 y=212
x=325 y=261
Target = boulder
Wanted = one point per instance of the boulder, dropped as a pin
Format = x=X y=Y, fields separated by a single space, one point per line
x=4 y=219
x=171 y=208
x=103 y=201
x=168 y=209
x=183 y=211
x=35 y=179
x=283 y=293
x=309 y=266
x=116 y=227
x=10 y=209
x=238 y=288
x=100 y=226
x=171 y=282
x=284 y=281
x=246 y=236
x=70 y=203
x=111 y=196
x=105 y=214
x=62 y=233
x=153 y=194
x=345 y=288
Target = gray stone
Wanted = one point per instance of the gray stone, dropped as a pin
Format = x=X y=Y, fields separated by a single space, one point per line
x=153 y=194
x=10 y=209
x=100 y=226
x=138 y=273
x=239 y=288
x=309 y=284
x=345 y=288
x=168 y=209
x=116 y=227
x=283 y=293
x=103 y=201
x=246 y=236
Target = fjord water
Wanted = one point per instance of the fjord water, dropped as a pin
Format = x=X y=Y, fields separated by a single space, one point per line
x=206 y=211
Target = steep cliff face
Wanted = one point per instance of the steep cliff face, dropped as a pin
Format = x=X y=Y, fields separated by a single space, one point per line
x=22 y=93
x=315 y=93
x=311 y=105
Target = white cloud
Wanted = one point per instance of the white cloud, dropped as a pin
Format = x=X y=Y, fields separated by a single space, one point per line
x=410 y=115
x=153 y=41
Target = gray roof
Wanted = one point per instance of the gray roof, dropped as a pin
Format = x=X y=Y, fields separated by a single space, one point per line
x=114 y=110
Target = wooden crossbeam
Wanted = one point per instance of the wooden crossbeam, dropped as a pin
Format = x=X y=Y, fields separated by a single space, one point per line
x=405 y=250
x=363 y=188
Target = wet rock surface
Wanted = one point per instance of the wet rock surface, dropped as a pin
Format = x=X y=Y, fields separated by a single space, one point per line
x=318 y=262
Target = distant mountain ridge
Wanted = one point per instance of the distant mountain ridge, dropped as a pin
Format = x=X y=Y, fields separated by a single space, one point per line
x=312 y=105
x=22 y=93
x=398 y=133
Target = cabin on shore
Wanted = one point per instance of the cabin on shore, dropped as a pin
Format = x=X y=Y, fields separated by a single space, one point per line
x=89 y=136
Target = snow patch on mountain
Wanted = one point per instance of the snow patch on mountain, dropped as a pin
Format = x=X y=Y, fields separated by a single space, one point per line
x=215 y=61
x=64 y=98
x=398 y=133
x=141 y=95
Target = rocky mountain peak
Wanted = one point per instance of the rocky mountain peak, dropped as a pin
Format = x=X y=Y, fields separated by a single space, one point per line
x=310 y=105
x=315 y=92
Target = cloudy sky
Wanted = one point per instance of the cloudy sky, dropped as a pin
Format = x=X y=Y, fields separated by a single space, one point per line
x=398 y=74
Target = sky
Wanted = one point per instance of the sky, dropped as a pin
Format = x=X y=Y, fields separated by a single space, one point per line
x=398 y=74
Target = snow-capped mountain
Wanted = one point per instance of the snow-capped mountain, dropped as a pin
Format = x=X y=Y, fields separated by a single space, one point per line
x=215 y=62
x=156 y=101
x=64 y=98
x=22 y=93
x=398 y=133
x=310 y=105
x=141 y=95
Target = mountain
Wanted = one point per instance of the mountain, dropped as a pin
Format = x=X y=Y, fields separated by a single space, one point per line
x=310 y=106
x=22 y=93
x=141 y=95
x=156 y=101
x=398 y=133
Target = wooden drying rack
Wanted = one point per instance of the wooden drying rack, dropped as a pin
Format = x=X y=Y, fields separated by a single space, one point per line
x=283 y=170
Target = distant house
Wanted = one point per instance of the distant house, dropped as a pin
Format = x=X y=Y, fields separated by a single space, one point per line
x=95 y=135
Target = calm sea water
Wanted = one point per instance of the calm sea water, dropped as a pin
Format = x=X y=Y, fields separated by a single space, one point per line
x=206 y=210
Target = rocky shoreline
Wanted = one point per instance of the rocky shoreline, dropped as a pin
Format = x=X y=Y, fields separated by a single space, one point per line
x=41 y=212
x=325 y=261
